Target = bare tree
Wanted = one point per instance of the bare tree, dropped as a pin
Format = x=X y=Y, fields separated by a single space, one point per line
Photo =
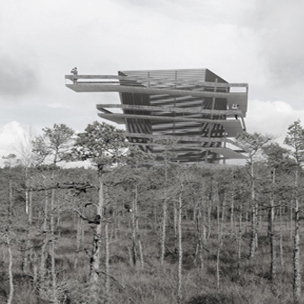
x=253 y=143
x=276 y=156
x=52 y=147
x=295 y=139
x=104 y=146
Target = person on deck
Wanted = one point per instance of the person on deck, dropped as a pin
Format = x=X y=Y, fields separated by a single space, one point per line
x=235 y=107
x=74 y=71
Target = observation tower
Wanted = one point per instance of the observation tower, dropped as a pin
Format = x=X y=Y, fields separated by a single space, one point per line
x=192 y=112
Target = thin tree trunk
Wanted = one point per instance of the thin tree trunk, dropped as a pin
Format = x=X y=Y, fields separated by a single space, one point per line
x=296 y=250
x=133 y=251
x=220 y=244
x=78 y=241
x=271 y=234
x=134 y=254
x=42 y=270
x=11 y=201
x=239 y=256
x=107 y=259
x=163 y=235
x=281 y=239
x=246 y=220
x=232 y=213
x=26 y=201
x=200 y=238
x=27 y=249
x=164 y=224
x=198 y=247
x=218 y=219
x=52 y=247
x=180 y=248
x=291 y=220
x=96 y=248
x=175 y=224
x=204 y=223
x=209 y=220
x=10 y=270
x=141 y=255
x=253 y=240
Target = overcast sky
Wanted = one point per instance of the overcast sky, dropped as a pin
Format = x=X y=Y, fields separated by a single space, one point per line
x=254 y=41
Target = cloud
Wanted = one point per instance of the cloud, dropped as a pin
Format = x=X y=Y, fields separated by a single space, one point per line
x=272 y=117
x=280 y=27
x=10 y=135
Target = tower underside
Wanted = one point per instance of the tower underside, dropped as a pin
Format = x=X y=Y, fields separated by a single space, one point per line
x=193 y=113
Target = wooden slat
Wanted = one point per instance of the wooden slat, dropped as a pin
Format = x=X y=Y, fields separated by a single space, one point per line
x=239 y=98
x=226 y=152
x=199 y=139
x=194 y=110
x=232 y=130
x=229 y=125
x=151 y=79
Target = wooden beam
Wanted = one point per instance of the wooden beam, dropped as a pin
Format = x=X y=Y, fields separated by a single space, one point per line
x=194 y=110
x=232 y=127
x=226 y=152
x=199 y=139
x=158 y=79
x=104 y=87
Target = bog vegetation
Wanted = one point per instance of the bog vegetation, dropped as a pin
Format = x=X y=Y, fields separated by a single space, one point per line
x=133 y=229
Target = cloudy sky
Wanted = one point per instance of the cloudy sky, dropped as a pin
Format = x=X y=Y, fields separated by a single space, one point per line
x=254 y=41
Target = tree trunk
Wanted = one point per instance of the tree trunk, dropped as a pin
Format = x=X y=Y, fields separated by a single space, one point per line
x=281 y=239
x=232 y=213
x=218 y=213
x=28 y=249
x=239 y=256
x=42 y=270
x=296 y=249
x=26 y=201
x=253 y=240
x=141 y=255
x=134 y=254
x=164 y=223
x=10 y=270
x=78 y=240
x=220 y=243
x=291 y=220
x=96 y=248
x=163 y=235
x=133 y=249
x=199 y=236
x=107 y=259
x=209 y=220
x=175 y=217
x=180 y=248
x=11 y=201
x=135 y=231
x=271 y=234
x=52 y=247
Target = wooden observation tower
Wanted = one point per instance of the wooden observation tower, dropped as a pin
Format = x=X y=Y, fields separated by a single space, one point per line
x=191 y=112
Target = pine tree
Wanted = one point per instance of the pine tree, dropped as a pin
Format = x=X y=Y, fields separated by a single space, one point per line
x=295 y=139
x=104 y=146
